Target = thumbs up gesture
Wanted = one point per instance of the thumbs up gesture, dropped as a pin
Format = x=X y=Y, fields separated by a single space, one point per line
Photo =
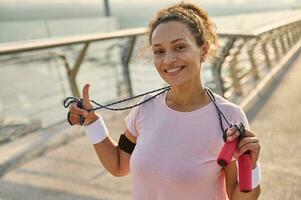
x=76 y=112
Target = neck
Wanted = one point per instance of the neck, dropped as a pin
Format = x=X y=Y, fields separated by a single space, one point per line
x=187 y=94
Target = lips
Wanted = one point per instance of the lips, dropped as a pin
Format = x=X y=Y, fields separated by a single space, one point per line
x=174 y=70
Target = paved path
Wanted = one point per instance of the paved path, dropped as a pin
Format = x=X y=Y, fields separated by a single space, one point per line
x=278 y=126
x=69 y=172
x=73 y=171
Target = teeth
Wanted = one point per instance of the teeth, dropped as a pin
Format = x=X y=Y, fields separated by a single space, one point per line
x=173 y=70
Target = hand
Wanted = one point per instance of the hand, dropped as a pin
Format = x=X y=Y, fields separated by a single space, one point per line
x=76 y=112
x=248 y=143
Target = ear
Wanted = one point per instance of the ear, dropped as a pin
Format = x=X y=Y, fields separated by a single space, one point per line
x=204 y=51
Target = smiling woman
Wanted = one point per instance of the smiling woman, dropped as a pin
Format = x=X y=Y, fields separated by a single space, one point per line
x=175 y=51
x=181 y=39
x=171 y=142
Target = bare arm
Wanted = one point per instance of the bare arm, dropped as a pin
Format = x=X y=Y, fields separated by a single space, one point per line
x=233 y=188
x=115 y=160
x=249 y=143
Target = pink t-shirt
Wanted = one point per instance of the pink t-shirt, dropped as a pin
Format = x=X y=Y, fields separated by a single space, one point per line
x=175 y=155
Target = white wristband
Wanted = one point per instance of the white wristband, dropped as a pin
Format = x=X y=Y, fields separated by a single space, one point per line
x=256 y=176
x=96 y=131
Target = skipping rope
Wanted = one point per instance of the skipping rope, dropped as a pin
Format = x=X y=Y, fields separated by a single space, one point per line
x=69 y=100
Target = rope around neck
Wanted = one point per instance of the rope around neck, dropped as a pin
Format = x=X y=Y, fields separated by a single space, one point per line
x=70 y=100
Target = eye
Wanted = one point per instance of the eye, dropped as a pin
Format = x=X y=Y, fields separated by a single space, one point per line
x=180 y=47
x=158 y=51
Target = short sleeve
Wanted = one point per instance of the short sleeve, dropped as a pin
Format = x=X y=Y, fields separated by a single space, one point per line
x=240 y=116
x=133 y=119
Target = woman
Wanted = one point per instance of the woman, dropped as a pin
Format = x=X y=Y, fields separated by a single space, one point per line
x=171 y=142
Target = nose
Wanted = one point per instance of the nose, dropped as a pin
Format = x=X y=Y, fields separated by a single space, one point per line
x=169 y=58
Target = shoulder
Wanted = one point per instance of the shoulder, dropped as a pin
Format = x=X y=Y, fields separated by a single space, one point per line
x=233 y=111
x=150 y=100
x=147 y=103
x=225 y=102
x=227 y=105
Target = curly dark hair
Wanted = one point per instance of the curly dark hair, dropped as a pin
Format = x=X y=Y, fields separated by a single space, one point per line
x=197 y=20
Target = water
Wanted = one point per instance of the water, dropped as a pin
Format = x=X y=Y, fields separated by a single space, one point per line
x=32 y=20
x=21 y=30
x=12 y=31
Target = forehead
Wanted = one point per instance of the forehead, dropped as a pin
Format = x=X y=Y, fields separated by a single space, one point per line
x=170 y=31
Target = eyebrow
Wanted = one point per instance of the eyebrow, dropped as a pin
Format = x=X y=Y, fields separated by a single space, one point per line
x=173 y=41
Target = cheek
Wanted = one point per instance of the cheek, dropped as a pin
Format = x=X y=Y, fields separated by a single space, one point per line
x=195 y=60
x=157 y=62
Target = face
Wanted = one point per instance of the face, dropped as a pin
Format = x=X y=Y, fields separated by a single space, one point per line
x=176 y=55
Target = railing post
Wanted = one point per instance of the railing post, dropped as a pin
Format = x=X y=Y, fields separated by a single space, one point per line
x=294 y=33
x=275 y=47
x=284 y=50
x=217 y=65
x=233 y=71
x=72 y=73
x=252 y=60
x=288 y=37
x=266 y=54
x=126 y=57
x=298 y=30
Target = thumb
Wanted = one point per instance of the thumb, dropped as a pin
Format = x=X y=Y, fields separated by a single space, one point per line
x=86 y=98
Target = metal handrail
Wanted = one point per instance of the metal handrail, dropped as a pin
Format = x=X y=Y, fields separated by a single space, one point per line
x=32 y=45
x=284 y=33
x=246 y=58
x=17 y=47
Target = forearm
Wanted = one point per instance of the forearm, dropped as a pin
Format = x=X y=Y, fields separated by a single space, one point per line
x=237 y=195
x=109 y=155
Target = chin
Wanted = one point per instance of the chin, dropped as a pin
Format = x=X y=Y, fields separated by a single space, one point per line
x=174 y=83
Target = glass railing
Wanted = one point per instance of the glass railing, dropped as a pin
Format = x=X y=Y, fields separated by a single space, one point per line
x=37 y=75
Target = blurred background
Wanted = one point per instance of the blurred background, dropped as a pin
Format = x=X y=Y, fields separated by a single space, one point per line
x=29 y=73
x=42 y=18
x=50 y=48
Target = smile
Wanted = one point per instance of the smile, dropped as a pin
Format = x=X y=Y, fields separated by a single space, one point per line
x=174 y=70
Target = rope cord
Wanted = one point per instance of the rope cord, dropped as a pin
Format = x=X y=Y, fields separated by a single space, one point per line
x=70 y=100
x=220 y=114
